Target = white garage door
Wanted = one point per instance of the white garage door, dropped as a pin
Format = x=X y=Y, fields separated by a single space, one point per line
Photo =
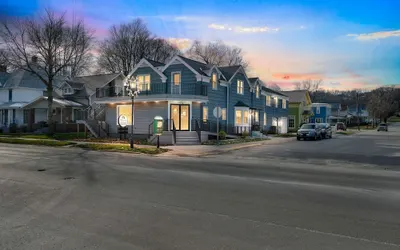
x=283 y=125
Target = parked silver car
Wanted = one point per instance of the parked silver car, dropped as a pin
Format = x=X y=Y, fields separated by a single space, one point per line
x=326 y=130
x=383 y=127
x=309 y=131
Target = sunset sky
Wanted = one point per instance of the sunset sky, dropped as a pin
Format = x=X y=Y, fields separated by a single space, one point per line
x=347 y=43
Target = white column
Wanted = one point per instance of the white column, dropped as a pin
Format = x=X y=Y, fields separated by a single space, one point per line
x=61 y=116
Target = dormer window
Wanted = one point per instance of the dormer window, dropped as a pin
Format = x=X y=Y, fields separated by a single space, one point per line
x=67 y=91
x=214 y=81
x=257 y=91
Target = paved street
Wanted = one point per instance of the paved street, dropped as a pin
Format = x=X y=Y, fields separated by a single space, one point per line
x=368 y=147
x=266 y=197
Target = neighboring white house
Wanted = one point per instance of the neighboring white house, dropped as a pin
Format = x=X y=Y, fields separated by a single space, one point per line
x=23 y=97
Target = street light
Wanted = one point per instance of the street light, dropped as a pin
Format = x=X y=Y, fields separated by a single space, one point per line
x=133 y=90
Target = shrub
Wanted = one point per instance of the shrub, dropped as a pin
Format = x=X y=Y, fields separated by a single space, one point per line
x=222 y=135
x=245 y=134
x=23 y=129
x=13 y=128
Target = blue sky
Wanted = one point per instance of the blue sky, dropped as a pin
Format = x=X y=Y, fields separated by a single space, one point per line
x=348 y=44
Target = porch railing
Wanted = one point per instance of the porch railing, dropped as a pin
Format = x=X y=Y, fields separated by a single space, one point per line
x=153 y=89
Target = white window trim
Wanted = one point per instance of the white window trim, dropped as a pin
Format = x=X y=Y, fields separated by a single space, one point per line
x=216 y=83
x=172 y=81
x=243 y=109
x=320 y=120
x=237 y=87
x=222 y=116
x=294 y=121
x=144 y=77
x=284 y=106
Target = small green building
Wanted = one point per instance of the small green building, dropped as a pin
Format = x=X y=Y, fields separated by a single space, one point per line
x=299 y=108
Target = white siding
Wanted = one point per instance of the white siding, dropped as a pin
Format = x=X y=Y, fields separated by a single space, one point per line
x=40 y=115
x=144 y=115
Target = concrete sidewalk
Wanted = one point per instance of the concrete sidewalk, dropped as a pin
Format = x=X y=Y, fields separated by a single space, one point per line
x=204 y=150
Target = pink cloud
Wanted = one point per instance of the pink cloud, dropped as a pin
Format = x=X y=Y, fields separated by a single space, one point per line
x=298 y=76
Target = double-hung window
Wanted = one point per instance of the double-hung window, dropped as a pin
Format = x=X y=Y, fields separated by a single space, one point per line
x=242 y=117
x=256 y=116
x=240 y=87
x=291 y=121
x=143 y=82
x=265 y=119
x=176 y=83
x=125 y=110
x=268 y=100
x=214 y=81
x=223 y=111
x=205 y=113
x=318 y=110
x=257 y=91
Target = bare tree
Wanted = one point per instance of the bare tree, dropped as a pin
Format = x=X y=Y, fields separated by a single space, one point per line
x=297 y=85
x=383 y=102
x=130 y=42
x=274 y=86
x=45 y=47
x=309 y=84
x=3 y=57
x=217 y=53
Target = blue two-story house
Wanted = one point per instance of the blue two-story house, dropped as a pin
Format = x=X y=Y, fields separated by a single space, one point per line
x=322 y=113
x=185 y=93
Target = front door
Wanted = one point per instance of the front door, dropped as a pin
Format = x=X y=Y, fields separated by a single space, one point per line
x=180 y=114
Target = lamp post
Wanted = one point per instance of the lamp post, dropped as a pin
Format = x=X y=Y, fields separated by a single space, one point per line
x=133 y=90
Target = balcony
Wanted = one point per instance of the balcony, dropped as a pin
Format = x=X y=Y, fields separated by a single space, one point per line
x=153 y=89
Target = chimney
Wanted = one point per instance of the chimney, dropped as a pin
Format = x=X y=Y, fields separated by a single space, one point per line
x=3 y=68
x=34 y=59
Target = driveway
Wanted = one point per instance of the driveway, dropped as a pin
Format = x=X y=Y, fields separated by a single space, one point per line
x=367 y=147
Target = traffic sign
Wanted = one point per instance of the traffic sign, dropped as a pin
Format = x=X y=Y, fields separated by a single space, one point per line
x=217 y=112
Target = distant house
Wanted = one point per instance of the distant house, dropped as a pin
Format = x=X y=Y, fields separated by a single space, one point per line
x=299 y=108
x=322 y=113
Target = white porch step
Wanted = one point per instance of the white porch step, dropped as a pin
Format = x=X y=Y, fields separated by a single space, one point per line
x=187 y=138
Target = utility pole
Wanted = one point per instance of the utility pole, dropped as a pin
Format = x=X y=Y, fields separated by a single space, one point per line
x=358 y=112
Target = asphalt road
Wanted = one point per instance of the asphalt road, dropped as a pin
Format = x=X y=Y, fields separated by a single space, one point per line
x=93 y=200
x=369 y=147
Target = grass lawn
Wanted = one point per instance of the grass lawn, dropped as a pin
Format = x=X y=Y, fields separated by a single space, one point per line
x=56 y=136
x=286 y=135
x=394 y=119
x=122 y=148
x=34 y=142
x=233 y=141
x=114 y=140
x=345 y=132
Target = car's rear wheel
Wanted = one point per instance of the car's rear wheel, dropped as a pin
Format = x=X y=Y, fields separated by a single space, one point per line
x=298 y=138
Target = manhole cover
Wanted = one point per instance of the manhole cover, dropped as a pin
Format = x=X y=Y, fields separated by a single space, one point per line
x=69 y=178
x=41 y=169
